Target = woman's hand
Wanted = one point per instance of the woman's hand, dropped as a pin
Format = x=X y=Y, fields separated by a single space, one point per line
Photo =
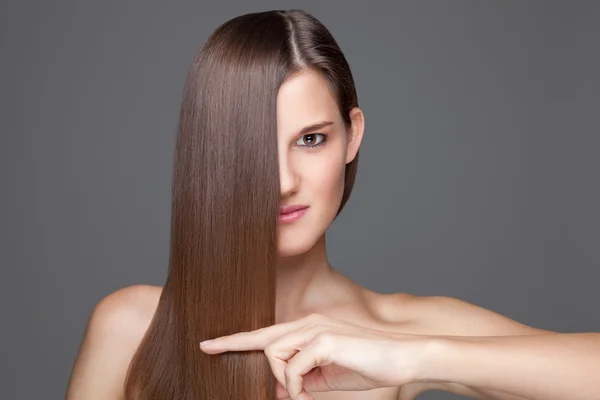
x=319 y=354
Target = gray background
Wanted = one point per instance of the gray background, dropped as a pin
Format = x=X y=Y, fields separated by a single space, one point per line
x=477 y=179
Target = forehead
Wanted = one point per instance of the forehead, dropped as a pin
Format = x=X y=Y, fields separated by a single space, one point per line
x=303 y=100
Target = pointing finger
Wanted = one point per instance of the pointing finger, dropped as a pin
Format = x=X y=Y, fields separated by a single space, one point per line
x=253 y=340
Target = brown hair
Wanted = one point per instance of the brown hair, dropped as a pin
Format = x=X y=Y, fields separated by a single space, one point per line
x=225 y=199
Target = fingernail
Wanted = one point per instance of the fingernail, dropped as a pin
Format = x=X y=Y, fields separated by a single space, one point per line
x=206 y=342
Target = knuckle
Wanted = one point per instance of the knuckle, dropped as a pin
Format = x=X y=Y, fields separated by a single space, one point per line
x=317 y=330
x=269 y=351
x=324 y=339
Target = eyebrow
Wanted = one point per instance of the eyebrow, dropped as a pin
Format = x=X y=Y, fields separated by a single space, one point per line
x=314 y=127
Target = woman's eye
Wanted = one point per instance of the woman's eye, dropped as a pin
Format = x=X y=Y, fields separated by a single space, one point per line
x=311 y=140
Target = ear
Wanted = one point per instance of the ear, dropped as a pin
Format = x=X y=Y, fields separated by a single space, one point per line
x=355 y=134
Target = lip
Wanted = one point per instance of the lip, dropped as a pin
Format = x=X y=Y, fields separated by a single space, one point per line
x=291 y=213
x=291 y=209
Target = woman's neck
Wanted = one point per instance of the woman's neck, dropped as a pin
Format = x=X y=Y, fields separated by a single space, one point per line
x=307 y=283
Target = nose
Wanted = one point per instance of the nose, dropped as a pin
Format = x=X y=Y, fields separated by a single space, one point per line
x=288 y=179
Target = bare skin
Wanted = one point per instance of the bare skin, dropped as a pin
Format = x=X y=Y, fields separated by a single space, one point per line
x=120 y=320
x=306 y=282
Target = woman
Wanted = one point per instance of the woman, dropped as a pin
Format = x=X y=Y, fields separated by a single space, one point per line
x=266 y=155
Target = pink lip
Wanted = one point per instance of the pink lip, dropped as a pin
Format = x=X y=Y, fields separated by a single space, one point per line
x=290 y=209
x=291 y=213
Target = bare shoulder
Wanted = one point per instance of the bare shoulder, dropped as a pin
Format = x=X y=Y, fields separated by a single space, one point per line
x=445 y=315
x=113 y=333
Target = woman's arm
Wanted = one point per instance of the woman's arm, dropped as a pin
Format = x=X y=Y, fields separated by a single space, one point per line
x=541 y=366
x=111 y=338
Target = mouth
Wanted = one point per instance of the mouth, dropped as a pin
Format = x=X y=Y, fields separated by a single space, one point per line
x=291 y=213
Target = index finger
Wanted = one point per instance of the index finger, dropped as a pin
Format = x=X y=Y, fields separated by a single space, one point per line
x=253 y=340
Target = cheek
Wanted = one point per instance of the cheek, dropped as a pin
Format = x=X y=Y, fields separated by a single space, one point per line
x=328 y=180
x=332 y=185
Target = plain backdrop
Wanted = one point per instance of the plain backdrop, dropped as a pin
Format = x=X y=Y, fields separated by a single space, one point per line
x=478 y=175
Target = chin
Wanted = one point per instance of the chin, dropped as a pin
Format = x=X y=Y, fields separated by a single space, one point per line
x=291 y=246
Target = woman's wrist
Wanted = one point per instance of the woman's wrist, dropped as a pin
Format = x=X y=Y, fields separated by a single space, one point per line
x=438 y=359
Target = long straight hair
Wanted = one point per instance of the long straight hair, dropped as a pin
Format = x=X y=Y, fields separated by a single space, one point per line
x=225 y=201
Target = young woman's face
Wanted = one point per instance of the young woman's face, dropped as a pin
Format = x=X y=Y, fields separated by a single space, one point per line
x=311 y=162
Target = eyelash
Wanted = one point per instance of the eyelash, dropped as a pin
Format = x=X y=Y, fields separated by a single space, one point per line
x=315 y=145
